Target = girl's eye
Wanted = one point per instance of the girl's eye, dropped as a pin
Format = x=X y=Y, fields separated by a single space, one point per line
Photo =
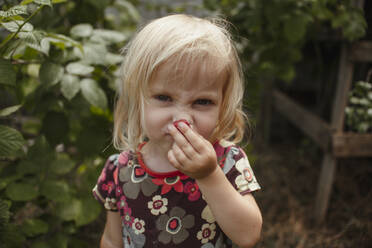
x=203 y=102
x=163 y=98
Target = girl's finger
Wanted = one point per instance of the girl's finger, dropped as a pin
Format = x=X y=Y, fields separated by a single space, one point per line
x=180 y=155
x=179 y=138
x=196 y=140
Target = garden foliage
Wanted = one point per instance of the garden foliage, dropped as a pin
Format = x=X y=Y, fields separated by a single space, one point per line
x=58 y=65
x=272 y=33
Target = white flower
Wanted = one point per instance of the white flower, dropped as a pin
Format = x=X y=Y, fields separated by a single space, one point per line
x=138 y=226
x=158 y=205
x=110 y=203
x=206 y=233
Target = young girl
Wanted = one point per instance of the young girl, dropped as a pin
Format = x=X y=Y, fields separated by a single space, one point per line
x=179 y=180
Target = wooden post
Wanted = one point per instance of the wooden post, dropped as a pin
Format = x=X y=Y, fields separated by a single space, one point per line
x=325 y=183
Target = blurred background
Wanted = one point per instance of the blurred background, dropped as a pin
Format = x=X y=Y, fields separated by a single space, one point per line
x=308 y=67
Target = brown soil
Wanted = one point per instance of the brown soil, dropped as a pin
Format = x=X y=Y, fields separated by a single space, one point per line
x=289 y=175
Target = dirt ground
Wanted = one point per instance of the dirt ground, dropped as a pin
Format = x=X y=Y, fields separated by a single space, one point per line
x=288 y=174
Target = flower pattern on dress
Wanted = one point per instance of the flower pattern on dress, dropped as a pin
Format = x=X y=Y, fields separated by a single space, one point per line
x=131 y=239
x=122 y=204
x=206 y=233
x=192 y=189
x=174 y=226
x=208 y=215
x=135 y=180
x=168 y=219
x=138 y=226
x=246 y=180
x=219 y=243
x=127 y=216
x=110 y=203
x=169 y=183
x=108 y=187
x=158 y=205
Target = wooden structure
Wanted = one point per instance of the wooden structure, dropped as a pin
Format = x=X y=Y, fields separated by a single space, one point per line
x=330 y=137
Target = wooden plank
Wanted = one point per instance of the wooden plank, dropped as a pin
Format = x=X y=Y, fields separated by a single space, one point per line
x=325 y=183
x=352 y=145
x=309 y=123
x=344 y=81
x=361 y=52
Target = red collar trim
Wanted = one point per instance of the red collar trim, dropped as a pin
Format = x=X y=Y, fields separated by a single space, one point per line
x=151 y=172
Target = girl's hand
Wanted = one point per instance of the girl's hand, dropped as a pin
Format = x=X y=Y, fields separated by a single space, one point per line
x=191 y=153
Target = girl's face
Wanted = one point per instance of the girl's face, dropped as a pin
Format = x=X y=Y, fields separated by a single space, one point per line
x=195 y=96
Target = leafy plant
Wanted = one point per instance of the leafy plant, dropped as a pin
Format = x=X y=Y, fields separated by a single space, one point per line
x=271 y=34
x=358 y=113
x=58 y=66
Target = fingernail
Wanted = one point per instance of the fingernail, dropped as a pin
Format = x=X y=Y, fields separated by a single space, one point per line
x=182 y=126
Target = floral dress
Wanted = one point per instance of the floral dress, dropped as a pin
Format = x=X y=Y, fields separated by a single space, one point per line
x=168 y=209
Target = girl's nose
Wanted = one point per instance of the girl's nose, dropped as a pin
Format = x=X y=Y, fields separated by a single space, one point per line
x=183 y=116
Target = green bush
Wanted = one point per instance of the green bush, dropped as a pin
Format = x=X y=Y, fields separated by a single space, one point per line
x=58 y=65
x=272 y=33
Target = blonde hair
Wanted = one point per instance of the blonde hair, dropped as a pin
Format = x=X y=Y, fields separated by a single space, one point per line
x=177 y=38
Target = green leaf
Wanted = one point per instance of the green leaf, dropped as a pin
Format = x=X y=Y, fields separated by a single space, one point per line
x=62 y=165
x=50 y=73
x=34 y=227
x=9 y=110
x=36 y=40
x=108 y=36
x=112 y=58
x=43 y=2
x=90 y=211
x=93 y=93
x=70 y=86
x=12 y=237
x=69 y=210
x=8 y=75
x=38 y=159
x=10 y=141
x=79 y=69
x=59 y=240
x=25 y=2
x=81 y=30
x=4 y=213
x=56 y=191
x=67 y=41
x=92 y=54
x=130 y=8
x=58 y=1
x=13 y=26
x=14 y=11
x=21 y=191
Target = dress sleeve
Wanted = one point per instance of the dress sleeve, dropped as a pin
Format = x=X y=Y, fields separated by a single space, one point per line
x=105 y=189
x=239 y=172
